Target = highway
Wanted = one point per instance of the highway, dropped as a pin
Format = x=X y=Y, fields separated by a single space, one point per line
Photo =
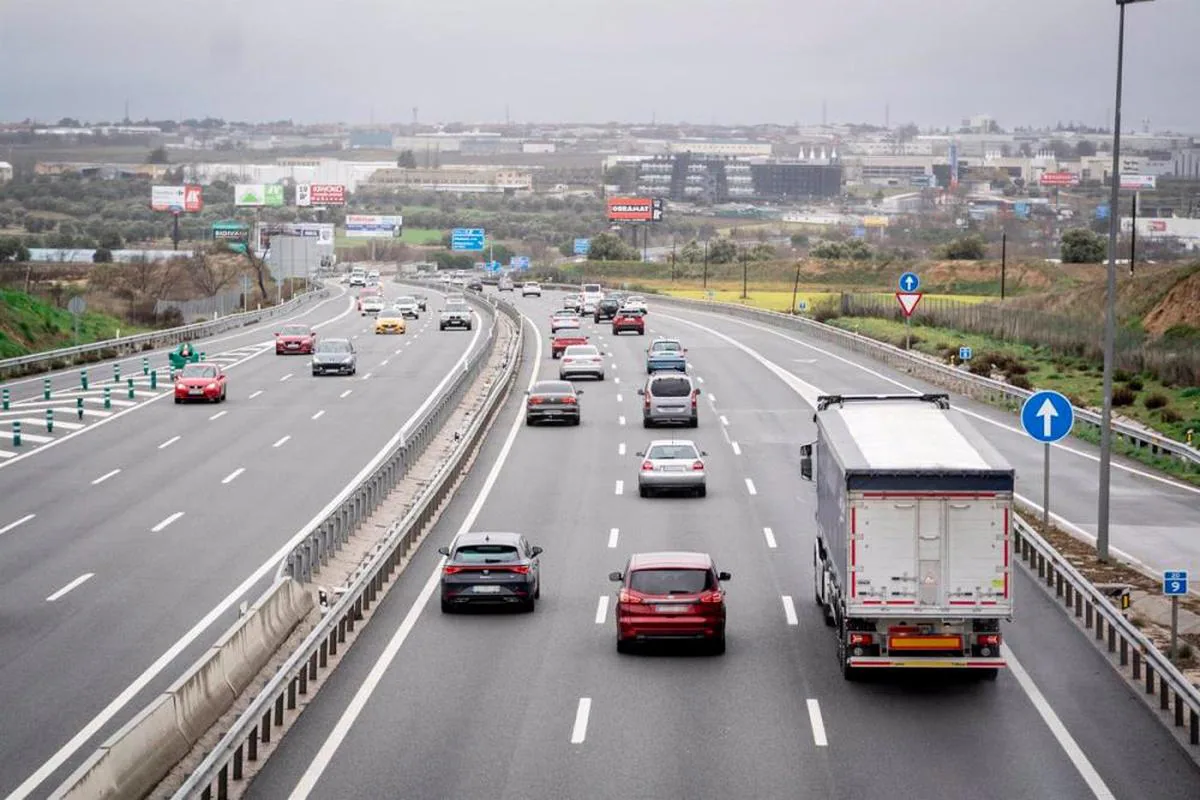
x=126 y=548
x=541 y=705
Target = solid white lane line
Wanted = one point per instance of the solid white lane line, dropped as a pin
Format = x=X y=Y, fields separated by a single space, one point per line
x=318 y=764
x=231 y=477
x=105 y=477
x=724 y=420
x=818 y=724
x=619 y=397
x=255 y=394
x=282 y=441
x=345 y=394
x=620 y=420
x=621 y=449
x=169 y=442
x=750 y=487
x=737 y=450
x=365 y=377
x=285 y=377
x=73 y=584
x=16 y=524
x=612 y=536
x=217 y=415
x=579 y=731
x=789 y=610
x=319 y=414
x=620 y=487
x=166 y=522
x=770 y=536
x=712 y=400
x=602 y=609
x=1074 y=752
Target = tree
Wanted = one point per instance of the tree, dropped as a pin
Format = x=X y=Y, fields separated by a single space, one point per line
x=1025 y=150
x=110 y=239
x=799 y=240
x=722 y=251
x=11 y=249
x=102 y=256
x=762 y=252
x=1084 y=148
x=158 y=156
x=210 y=275
x=609 y=247
x=1081 y=246
x=407 y=159
x=692 y=252
x=964 y=248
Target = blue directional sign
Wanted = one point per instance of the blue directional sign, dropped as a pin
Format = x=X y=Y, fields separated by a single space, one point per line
x=518 y=262
x=1047 y=416
x=1102 y=212
x=965 y=353
x=492 y=266
x=470 y=239
x=1175 y=582
x=909 y=282
x=860 y=232
x=583 y=247
x=1021 y=210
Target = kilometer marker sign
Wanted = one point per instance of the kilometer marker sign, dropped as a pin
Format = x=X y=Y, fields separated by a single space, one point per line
x=908 y=302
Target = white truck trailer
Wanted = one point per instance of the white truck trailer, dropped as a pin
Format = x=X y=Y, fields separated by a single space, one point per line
x=912 y=562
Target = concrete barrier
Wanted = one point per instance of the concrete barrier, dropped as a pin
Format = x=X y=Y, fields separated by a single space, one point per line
x=133 y=761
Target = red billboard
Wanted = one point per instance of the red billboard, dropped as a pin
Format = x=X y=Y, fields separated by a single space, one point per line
x=328 y=194
x=1059 y=179
x=635 y=209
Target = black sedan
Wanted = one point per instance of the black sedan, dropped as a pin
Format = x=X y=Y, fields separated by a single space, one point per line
x=607 y=308
x=490 y=569
x=334 y=355
x=552 y=400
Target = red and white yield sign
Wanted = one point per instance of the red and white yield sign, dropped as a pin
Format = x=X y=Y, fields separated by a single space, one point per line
x=908 y=302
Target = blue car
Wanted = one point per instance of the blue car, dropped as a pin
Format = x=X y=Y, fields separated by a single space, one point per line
x=666 y=354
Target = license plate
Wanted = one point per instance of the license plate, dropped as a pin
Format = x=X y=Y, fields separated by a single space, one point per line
x=674 y=469
x=672 y=609
x=552 y=412
x=195 y=391
x=487 y=589
x=293 y=345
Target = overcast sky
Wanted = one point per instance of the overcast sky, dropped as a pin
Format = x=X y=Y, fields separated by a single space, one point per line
x=729 y=61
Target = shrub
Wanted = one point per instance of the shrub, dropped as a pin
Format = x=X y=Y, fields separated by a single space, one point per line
x=825 y=310
x=1020 y=381
x=1169 y=415
x=1156 y=400
x=980 y=366
x=1123 y=396
x=1121 y=376
x=1135 y=384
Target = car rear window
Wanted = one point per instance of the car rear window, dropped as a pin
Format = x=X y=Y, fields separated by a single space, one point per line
x=199 y=371
x=672 y=451
x=333 y=347
x=553 y=387
x=591 y=288
x=582 y=350
x=631 y=312
x=487 y=554
x=671 y=387
x=665 y=347
x=670 y=581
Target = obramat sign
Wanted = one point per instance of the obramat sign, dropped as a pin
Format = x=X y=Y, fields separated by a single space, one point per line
x=631 y=209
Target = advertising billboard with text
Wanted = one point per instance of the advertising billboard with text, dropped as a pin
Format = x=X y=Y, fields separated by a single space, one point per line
x=188 y=199
x=320 y=194
x=257 y=194
x=635 y=209
x=1059 y=179
x=373 y=226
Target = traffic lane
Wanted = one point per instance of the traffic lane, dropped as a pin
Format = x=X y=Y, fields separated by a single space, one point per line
x=214 y=541
x=1148 y=515
x=259 y=333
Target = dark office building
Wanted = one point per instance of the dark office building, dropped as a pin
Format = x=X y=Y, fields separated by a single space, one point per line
x=783 y=181
x=686 y=177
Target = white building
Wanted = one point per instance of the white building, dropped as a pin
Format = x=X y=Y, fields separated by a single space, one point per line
x=296 y=170
x=6 y=172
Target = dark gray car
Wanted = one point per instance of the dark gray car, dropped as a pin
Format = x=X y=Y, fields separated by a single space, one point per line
x=335 y=356
x=491 y=569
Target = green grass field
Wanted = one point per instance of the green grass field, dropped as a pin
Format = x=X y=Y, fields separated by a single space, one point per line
x=28 y=325
x=414 y=236
x=771 y=299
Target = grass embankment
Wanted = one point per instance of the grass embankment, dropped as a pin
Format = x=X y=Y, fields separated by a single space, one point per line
x=767 y=296
x=1170 y=410
x=28 y=325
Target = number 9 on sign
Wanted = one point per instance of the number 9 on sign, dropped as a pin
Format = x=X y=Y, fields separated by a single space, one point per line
x=1175 y=582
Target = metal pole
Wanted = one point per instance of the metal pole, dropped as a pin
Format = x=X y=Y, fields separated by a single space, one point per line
x=1110 y=314
x=795 y=287
x=744 y=295
x=1133 y=235
x=175 y=233
x=646 y=243
x=1174 y=626
x=672 y=259
x=1046 y=487
x=1003 y=261
x=706 y=265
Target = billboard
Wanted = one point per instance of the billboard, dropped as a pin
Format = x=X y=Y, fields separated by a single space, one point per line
x=467 y=239
x=321 y=231
x=1139 y=182
x=257 y=194
x=1059 y=179
x=235 y=234
x=635 y=209
x=875 y=222
x=320 y=194
x=177 y=199
x=954 y=165
x=373 y=226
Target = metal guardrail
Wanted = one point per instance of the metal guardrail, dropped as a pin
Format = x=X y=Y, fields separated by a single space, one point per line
x=226 y=762
x=65 y=357
x=959 y=380
x=1128 y=649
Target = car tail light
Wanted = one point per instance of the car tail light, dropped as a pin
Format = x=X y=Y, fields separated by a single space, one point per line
x=450 y=570
x=697 y=465
x=646 y=404
x=520 y=569
x=712 y=597
x=989 y=640
x=627 y=596
x=536 y=401
x=861 y=639
x=569 y=400
x=695 y=397
x=647 y=466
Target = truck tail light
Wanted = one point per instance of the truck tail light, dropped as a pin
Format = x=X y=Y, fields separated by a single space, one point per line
x=988 y=640
x=861 y=639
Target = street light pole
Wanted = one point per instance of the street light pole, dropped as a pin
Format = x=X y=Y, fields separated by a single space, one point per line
x=744 y=295
x=1110 y=314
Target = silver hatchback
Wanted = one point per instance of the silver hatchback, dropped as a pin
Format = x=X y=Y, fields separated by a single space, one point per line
x=674 y=465
x=670 y=397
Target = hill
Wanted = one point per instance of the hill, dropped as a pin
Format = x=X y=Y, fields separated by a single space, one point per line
x=28 y=325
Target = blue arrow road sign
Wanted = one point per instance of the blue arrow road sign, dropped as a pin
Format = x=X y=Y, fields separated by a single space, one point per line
x=583 y=247
x=1047 y=416
x=964 y=353
x=1175 y=582
x=470 y=239
x=909 y=282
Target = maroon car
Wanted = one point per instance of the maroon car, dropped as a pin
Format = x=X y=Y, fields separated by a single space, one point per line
x=299 y=339
x=670 y=596
x=629 y=319
x=200 y=382
x=563 y=339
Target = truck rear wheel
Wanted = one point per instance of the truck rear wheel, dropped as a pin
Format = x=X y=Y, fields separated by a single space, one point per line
x=988 y=674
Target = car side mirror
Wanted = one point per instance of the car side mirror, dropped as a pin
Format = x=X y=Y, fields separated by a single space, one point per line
x=703 y=452
x=579 y=391
x=616 y=577
x=276 y=333
x=537 y=551
x=640 y=454
x=444 y=551
x=806 y=471
x=698 y=392
x=641 y=391
x=723 y=576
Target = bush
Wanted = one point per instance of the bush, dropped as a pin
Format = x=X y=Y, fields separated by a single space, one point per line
x=1135 y=384
x=1121 y=376
x=980 y=366
x=825 y=310
x=1123 y=396
x=1081 y=246
x=1170 y=415
x=1020 y=381
x=1156 y=400
x=964 y=248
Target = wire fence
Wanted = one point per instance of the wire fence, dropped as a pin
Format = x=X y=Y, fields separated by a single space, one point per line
x=220 y=304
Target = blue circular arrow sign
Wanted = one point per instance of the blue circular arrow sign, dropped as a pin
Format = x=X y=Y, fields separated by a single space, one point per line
x=1047 y=416
x=909 y=282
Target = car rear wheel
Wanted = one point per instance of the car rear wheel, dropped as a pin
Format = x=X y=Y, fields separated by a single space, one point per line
x=646 y=423
x=178 y=401
x=643 y=491
x=702 y=491
x=642 y=333
x=624 y=646
x=447 y=608
x=529 y=421
x=717 y=646
x=694 y=422
x=575 y=422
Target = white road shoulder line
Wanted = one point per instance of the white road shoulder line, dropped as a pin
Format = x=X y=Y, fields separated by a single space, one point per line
x=770 y=537
x=10 y=526
x=160 y=526
x=818 y=724
x=750 y=487
x=231 y=477
x=82 y=579
x=105 y=477
x=724 y=420
x=737 y=450
x=602 y=609
x=613 y=534
x=789 y=610
x=579 y=729
x=169 y=442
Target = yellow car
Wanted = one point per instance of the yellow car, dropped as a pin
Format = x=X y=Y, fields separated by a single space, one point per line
x=390 y=321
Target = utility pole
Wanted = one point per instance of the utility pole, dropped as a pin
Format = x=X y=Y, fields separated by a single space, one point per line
x=744 y=295
x=1133 y=235
x=1003 y=261
x=705 y=263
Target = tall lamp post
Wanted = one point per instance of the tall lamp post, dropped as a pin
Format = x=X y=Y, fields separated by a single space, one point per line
x=1110 y=314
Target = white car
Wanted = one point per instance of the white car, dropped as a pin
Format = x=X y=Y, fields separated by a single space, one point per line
x=637 y=302
x=372 y=305
x=407 y=306
x=531 y=289
x=581 y=359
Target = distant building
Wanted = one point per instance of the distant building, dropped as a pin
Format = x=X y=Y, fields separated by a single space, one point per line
x=371 y=140
x=457 y=179
x=687 y=177
x=6 y=172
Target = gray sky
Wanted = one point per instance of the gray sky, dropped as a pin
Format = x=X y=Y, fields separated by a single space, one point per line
x=729 y=61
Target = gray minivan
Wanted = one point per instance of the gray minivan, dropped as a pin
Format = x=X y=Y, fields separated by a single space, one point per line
x=669 y=397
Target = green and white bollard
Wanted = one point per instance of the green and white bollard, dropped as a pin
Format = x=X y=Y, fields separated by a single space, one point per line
x=79 y=407
x=16 y=433
x=4 y=399
x=83 y=379
x=131 y=388
x=153 y=379
x=49 y=420
x=107 y=397
x=145 y=366
x=45 y=388
x=203 y=356
x=116 y=373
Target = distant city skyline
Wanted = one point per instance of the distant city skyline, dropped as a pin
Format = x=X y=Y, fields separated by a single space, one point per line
x=1028 y=63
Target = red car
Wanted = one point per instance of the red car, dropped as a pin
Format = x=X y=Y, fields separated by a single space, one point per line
x=563 y=339
x=629 y=319
x=200 y=382
x=295 y=339
x=670 y=595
